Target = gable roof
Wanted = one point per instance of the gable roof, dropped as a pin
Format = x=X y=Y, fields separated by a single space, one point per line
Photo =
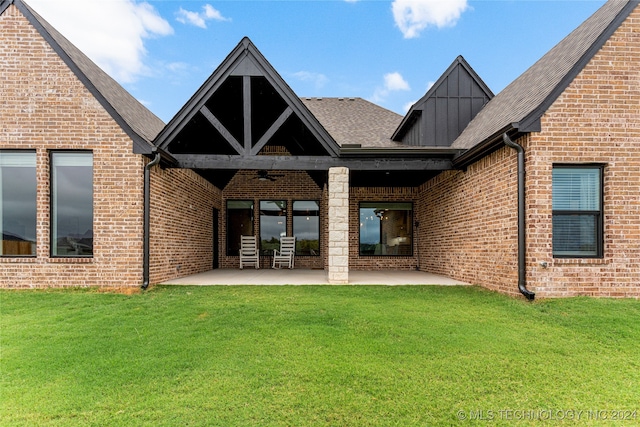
x=140 y=124
x=439 y=117
x=523 y=102
x=245 y=60
x=355 y=121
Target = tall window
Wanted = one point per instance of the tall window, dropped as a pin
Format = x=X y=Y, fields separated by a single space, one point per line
x=273 y=224
x=239 y=223
x=386 y=229
x=18 y=203
x=306 y=227
x=577 y=211
x=72 y=204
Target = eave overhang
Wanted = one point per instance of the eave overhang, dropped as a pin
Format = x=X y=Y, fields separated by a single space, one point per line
x=466 y=157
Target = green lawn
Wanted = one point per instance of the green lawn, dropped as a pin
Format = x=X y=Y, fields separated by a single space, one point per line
x=315 y=356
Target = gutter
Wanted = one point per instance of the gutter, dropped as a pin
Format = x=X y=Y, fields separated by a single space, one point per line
x=483 y=149
x=522 y=247
x=147 y=217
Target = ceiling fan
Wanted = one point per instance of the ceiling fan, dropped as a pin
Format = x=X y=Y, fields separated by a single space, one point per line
x=264 y=175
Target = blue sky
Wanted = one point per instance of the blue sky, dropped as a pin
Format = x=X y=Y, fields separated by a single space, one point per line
x=388 y=52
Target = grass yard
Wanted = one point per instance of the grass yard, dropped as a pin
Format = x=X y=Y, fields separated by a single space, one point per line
x=315 y=356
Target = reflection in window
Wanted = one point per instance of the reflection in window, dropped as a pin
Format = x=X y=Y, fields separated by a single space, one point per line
x=18 y=203
x=72 y=204
x=239 y=223
x=386 y=229
x=273 y=224
x=577 y=212
x=306 y=227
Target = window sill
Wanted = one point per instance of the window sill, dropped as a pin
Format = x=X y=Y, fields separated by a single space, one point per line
x=70 y=260
x=580 y=261
x=13 y=260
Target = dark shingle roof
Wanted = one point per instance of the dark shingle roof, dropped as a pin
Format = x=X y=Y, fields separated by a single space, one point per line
x=355 y=121
x=524 y=101
x=134 y=118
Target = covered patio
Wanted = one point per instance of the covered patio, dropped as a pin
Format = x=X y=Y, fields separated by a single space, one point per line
x=284 y=166
x=310 y=277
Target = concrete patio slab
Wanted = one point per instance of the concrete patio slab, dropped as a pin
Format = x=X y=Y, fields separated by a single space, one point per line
x=309 y=277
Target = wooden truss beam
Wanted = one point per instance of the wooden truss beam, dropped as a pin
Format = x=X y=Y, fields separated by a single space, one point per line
x=223 y=130
x=215 y=161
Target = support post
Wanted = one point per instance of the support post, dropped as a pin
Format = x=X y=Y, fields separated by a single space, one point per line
x=338 y=225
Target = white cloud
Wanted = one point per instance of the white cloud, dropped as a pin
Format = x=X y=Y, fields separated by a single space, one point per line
x=318 y=79
x=413 y=16
x=111 y=33
x=199 y=19
x=393 y=82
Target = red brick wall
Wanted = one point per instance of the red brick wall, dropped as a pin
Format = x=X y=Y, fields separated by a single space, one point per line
x=468 y=223
x=467 y=219
x=596 y=120
x=291 y=186
x=43 y=106
x=181 y=226
x=378 y=194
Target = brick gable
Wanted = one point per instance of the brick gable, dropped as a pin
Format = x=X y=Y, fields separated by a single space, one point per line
x=45 y=107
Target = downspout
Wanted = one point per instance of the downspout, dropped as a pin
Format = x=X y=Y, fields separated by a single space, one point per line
x=522 y=247
x=147 y=219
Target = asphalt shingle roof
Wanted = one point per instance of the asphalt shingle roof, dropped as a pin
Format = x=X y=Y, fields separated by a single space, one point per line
x=355 y=121
x=531 y=93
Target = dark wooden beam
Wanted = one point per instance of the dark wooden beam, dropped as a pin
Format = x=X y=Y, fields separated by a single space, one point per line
x=246 y=111
x=223 y=130
x=271 y=131
x=214 y=161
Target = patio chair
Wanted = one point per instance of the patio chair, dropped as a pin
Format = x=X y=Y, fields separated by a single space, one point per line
x=285 y=255
x=249 y=252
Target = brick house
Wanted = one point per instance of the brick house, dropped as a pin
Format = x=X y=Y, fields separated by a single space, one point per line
x=96 y=190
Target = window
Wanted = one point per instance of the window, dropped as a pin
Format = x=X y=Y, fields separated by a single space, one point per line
x=239 y=223
x=18 y=203
x=306 y=227
x=386 y=229
x=273 y=224
x=72 y=204
x=577 y=211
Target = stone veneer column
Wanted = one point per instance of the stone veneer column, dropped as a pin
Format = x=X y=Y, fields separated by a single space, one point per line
x=338 y=225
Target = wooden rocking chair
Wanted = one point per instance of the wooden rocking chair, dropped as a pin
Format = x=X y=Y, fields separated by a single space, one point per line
x=285 y=256
x=249 y=252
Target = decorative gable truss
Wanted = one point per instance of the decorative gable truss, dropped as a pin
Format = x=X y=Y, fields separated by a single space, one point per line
x=245 y=110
